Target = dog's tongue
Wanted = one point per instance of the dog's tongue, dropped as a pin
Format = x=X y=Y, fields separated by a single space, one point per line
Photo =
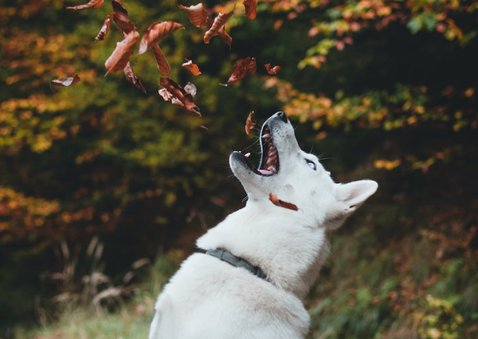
x=265 y=172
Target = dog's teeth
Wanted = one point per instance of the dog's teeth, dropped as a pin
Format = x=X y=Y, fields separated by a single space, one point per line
x=247 y=155
x=267 y=135
x=265 y=172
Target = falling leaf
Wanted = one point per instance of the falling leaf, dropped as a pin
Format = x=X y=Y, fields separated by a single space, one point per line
x=198 y=15
x=192 y=67
x=66 y=82
x=225 y=36
x=156 y=32
x=120 y=56
x=89 y=4
x=272 y=70
x=171 y=91
x=128 y=72
x=191 y=89
x=217 y=26
x=249 y=126
x=104 y=29
x=165 y=94
x=241 y=68
x=121 y=18
x=161 y=61
x=251 y=8
x=281 y=203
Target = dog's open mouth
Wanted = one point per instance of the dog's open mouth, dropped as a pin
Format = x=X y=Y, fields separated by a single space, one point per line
x=269 y=163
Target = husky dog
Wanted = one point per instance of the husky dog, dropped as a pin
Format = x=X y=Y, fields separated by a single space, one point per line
x=259 y=263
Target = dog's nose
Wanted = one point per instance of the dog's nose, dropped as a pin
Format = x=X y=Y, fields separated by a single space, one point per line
x=282 y=116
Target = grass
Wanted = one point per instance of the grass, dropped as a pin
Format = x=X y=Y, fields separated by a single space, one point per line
x=400 y=289
x=130 y=320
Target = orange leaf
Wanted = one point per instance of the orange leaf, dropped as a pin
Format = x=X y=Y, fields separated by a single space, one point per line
x=198 y=15
x=128 y=72
x=191 y=67
x=120 y=56
x=272 y=70
x=105 y=29
x=216 y=26
x=249 y=126
x=89 y=4
x=241 y=68
x=156 y=32
x=66 y=82
x=121 y=18
x=281 y=203
x=161 y=61
x=251 y=8
x=183 y=97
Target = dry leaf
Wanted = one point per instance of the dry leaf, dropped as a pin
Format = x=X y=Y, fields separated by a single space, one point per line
x=161 y=61
x=225 y=36
x=191 y=89
x=249 y=126
x=121 y=18
x=128 y=72
x=198 y=15
x=89 y=4
x=281 y=203
x=251 y=8
x=192 y=67
x=241 y=68
x=217 y=26
x=105 y=29
x=171 y=91
x=272 y=70
x=165 y=94
x=156 y=32
x=120 y=56
x=66 y=82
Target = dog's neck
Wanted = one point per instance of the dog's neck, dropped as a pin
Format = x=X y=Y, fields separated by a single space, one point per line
x=289 y=253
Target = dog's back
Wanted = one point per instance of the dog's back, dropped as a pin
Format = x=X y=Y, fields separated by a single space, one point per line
x=208 y=298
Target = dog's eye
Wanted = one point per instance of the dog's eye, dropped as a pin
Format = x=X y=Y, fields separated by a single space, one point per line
x=311 y=164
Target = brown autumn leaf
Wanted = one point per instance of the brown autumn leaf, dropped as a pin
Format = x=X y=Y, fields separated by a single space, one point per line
x=241 y=68
x=66 y=82
x=225 y=36
x=281 y=203
x=156 y=32
x=105 y=29
x=217 y=25
x=192 y=67
x=121 y=18
x=198 y=15
x=272 y=70
x=161 y=60
x=120 y=56
x=249 y=126
x=251 y=8
x=89 y=4
x=183 y=97
x=128 y=72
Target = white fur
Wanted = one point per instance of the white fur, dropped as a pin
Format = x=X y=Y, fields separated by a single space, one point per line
x=208 y=298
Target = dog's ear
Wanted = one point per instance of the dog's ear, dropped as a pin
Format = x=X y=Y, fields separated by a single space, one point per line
x=354 y=194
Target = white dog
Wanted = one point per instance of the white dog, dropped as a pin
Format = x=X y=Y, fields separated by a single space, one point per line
x=262 y=259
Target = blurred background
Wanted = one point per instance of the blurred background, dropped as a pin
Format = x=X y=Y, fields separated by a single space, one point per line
x=103 y=189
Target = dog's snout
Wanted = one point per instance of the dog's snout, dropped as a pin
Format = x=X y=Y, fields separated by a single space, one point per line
x=281 y=115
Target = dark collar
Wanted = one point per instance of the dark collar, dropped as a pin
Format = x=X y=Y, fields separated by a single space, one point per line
x=231 y=259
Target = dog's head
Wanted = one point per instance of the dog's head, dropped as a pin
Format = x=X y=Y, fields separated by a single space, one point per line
x=297 y=177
